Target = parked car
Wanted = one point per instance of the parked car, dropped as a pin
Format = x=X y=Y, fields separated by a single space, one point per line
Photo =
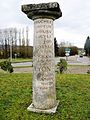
x=81 y=55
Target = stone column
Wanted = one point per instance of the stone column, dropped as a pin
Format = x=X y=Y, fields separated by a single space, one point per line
x=44 y=92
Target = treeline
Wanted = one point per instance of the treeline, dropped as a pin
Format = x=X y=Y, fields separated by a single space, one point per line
x=15 y=43
x=17 y=52
x=87 y=46
x=63 y=48
x=73 y=51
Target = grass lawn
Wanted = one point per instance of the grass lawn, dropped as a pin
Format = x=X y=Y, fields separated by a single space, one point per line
x=17 y=60
x=73 y=91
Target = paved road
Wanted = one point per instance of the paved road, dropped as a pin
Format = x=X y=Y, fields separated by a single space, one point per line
x=72 y=60
x=75 y=60
x=22 y=64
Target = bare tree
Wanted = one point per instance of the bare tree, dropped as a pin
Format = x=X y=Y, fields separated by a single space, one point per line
x=23 y=39
x=1 y=45
x=27 y=41
x=19 y=42
x=15 y=37
x=23 y=44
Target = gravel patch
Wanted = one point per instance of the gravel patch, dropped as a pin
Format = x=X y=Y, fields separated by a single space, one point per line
x=77 y=70
x=70 y=70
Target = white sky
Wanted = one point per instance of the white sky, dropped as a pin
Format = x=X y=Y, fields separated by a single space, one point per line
x=73 y=26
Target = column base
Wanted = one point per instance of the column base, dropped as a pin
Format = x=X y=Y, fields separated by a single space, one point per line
x=52 y=110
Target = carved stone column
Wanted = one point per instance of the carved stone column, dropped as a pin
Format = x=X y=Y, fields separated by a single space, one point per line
x=44 y=92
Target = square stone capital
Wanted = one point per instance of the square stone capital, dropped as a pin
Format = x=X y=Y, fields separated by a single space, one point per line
x=42 y=10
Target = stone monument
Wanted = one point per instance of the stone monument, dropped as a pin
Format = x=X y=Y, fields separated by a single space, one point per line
x=44 y=92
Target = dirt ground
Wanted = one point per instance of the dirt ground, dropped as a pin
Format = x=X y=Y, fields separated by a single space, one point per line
x=23 y=70
x=70 y=70
x=77 y=70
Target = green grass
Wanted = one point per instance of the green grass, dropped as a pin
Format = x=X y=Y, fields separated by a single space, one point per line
x=78 y=65
x=17 y=60
x=73 y=91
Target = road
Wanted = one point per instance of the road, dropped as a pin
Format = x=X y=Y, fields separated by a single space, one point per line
x=75 y=60
x=71 y=60
x=22 y=64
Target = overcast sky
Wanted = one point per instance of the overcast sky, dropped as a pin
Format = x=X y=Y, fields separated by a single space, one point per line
x=73 y=26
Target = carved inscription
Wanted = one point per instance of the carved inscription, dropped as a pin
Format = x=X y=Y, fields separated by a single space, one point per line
x=43 y=54
x=44 y=93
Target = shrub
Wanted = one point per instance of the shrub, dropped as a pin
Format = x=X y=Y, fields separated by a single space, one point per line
x=6 y=66
x=62 y=65
x=88 y=71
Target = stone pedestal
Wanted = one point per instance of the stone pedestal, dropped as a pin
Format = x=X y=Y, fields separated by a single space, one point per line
x=44 y=92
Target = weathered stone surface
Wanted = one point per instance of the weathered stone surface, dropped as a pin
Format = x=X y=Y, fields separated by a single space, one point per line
x=49 y=111
x=44 y=92
x=43 y=10
x=44 y=96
